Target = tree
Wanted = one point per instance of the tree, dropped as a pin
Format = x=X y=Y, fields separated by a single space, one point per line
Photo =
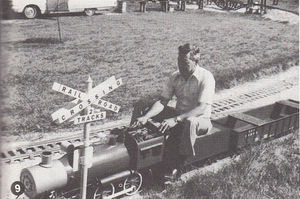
x=5 y=9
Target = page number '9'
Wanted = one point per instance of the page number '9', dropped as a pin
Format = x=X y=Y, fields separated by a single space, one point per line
x=17 y=188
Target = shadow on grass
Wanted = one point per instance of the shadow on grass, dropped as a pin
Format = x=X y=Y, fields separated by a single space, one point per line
x=11 y=15
x=54 y=16
x=39 y=40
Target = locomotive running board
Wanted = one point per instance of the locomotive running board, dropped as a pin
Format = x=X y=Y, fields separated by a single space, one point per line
x=119 y=193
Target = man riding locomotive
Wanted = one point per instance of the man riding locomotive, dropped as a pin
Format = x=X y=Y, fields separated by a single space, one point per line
x=194 y=88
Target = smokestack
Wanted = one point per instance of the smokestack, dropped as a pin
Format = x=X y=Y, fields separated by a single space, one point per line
x=46 y=159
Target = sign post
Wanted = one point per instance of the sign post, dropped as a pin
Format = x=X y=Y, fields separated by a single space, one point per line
x=84 y=101
x=83 y=160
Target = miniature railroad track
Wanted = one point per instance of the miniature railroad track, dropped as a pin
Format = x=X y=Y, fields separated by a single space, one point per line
x=229 y=4
x=278 y=8
x=220 y=109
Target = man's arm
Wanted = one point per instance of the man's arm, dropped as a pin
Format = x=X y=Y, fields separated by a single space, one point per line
x=171 y=122
x=195 y=112
x=159 y=105
x=156 y=108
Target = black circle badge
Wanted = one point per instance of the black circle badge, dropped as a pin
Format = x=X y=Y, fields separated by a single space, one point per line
x=17 y=188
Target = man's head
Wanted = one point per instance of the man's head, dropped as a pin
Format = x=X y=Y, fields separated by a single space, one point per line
x=188 y=57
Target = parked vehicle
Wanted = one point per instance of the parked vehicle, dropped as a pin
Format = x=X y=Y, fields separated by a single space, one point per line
x=33 y=8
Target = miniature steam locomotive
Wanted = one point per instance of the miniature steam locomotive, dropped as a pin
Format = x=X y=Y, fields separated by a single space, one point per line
x=116 y=166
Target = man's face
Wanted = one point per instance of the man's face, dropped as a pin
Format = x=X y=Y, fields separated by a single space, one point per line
x=186 y=66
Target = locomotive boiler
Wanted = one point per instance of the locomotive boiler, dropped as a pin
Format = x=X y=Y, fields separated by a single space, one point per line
x=116 y=166
x=48 y=176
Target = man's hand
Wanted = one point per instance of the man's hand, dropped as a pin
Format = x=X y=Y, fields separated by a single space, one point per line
x=156 y=108
x=167 y=124
x=140 y=121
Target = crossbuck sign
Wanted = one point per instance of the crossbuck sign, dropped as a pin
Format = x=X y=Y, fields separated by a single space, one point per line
x=84 y=100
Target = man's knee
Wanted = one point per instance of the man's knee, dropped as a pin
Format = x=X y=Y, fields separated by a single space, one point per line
x=198 y=125
x=190 y=121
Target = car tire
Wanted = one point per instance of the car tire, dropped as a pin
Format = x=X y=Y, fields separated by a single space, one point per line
x=89 y=12
x=31 y=12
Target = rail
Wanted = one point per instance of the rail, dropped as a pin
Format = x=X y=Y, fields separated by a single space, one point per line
x=220 y=108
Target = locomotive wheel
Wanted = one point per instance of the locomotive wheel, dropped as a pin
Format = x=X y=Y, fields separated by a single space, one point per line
x=105 y=191
x=49 y=195
x=135 y=180
x=53 y=195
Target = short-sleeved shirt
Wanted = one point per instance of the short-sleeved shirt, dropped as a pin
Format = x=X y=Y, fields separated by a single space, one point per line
x=199 y=88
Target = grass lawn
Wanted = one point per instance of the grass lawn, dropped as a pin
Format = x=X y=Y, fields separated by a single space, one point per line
x=265 y=171
x=141 y=48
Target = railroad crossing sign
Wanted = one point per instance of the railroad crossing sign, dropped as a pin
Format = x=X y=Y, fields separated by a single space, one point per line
x=84 y=100
x=89 y=118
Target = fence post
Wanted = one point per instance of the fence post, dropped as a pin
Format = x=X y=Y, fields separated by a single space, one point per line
x=143 y=5
x=249 y=6
x=275 y=2
x=200 y=4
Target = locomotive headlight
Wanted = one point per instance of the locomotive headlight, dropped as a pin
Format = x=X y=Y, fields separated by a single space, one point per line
x=38 y=179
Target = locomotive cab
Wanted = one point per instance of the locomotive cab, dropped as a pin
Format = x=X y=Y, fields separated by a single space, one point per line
x=145 y=146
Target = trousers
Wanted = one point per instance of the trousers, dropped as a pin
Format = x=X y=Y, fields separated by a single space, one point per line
x=182 y=137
